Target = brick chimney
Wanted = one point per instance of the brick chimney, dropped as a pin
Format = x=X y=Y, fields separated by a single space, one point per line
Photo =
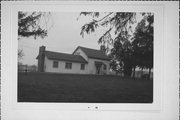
x=103 y=48
x=41 y=57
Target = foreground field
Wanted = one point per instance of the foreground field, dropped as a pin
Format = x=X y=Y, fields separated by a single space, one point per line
x=45 y=87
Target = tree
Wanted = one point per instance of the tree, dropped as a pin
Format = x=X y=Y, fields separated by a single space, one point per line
x=118 y=35
x=20 y=53
x=143 y=42
x=122 y=52
x=30 y=25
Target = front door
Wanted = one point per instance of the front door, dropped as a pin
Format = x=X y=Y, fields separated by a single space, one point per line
x=98 y=68
x=98 y=65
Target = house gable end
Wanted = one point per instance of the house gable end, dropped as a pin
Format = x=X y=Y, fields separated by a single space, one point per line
x=93 y=53
x=79 y=51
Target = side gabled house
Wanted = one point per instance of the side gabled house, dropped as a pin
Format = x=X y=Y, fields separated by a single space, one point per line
x=81 y=61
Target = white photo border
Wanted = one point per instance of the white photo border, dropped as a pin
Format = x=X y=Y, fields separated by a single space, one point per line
x=9 y=53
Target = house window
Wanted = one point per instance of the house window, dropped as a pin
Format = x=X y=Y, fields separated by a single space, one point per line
x=68 y=65
x=55 y=64
x=82 y=66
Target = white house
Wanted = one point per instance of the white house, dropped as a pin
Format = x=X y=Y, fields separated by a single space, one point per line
x=81 y=61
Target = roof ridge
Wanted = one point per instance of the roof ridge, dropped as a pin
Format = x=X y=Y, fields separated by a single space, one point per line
x=57 y=52
x=89 y=48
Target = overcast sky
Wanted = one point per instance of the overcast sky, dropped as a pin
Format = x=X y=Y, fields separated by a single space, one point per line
x=63 y=36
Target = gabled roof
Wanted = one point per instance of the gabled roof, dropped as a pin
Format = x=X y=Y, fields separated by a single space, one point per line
x=64 y=57
x=93 y=53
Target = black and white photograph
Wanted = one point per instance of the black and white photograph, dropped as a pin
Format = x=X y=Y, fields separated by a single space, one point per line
x=85 y=57
x=90 y=60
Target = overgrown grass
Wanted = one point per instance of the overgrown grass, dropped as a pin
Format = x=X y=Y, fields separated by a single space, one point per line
x=46 y=87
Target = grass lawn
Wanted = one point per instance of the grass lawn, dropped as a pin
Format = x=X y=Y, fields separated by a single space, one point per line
x=46 y=87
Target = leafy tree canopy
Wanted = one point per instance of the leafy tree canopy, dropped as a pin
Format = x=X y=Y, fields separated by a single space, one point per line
x=33 y=24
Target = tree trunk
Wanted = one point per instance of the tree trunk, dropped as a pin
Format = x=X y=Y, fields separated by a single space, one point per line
x=127 y=70
x=134 y=68
x=142 y=71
